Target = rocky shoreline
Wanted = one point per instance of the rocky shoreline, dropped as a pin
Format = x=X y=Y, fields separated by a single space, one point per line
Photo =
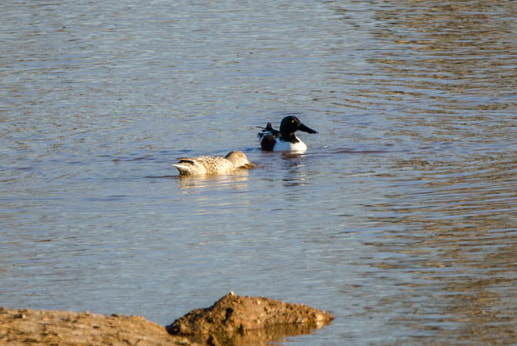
x=232 y=320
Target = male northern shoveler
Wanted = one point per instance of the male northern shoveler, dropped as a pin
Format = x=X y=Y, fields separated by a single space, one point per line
x=285 y=139
x=209 y=165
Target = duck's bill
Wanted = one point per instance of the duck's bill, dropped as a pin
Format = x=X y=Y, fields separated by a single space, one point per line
x=304 y=128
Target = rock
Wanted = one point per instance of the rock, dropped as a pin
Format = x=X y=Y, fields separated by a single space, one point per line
x=236 y=319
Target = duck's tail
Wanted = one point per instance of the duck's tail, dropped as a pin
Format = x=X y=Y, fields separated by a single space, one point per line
x=187 y=166
x=268 y=130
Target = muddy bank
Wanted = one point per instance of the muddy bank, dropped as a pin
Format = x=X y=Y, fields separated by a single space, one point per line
x=239 y=320
x=232 y=320
x=49 y=327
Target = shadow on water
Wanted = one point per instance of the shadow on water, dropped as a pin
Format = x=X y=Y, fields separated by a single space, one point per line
x=454 y=210
x=458 y=242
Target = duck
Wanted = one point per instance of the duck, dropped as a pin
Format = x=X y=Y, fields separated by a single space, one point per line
x=212 y=165
x=284 y=139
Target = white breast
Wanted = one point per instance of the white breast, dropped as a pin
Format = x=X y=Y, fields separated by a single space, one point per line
x=298 y=147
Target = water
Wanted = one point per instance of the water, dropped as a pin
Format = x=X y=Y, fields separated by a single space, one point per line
x=401 y=218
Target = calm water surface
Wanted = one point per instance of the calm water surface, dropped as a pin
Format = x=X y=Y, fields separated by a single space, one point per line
x=401 y=218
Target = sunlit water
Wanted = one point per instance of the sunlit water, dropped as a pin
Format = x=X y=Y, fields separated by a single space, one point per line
x=401 y=218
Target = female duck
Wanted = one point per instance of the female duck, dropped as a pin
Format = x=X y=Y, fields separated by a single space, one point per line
x=285 y=139
x=210 y=165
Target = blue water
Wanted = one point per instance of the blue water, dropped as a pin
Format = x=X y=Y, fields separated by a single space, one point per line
x=401 y=218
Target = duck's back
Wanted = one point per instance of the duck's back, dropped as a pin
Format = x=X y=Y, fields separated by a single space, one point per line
x=203 y=165
x=216 y=164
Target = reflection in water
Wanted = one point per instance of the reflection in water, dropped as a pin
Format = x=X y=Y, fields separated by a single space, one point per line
x=238 y=180
x=206 y=192
x=292 y=166
x=457 y=56
x=459 y=235
x=266 y=336
x=451 y=70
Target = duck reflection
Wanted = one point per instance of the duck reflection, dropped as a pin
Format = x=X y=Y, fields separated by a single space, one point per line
x=293 y=167
x=237 y=180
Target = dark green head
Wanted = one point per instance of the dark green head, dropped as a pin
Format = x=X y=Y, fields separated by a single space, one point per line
x=290 y=125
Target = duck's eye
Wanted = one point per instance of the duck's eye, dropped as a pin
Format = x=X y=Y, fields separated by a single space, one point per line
x=292 y=121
